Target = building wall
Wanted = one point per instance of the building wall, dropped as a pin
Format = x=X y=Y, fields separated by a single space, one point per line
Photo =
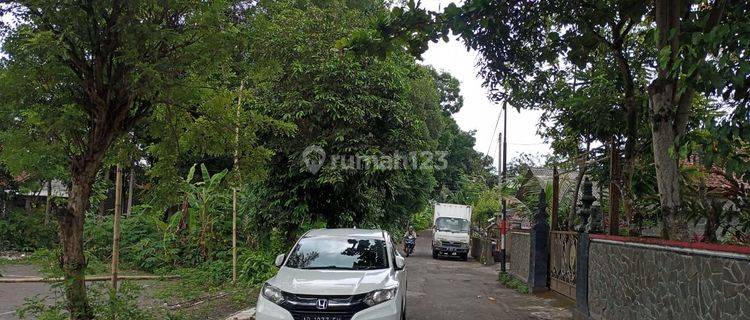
x=518 y=248
x=649 y=281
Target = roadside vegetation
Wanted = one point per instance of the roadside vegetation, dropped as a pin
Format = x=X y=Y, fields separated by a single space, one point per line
x=192 y=101
x=212 y=109
x=649 y=98
x=512 y=282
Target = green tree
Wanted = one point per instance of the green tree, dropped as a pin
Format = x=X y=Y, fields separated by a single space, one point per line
x=83 y=74
x=698 y=47
x=451 y=99
x=346 y=105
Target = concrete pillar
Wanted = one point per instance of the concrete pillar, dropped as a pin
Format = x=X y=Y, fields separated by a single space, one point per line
x=582 y=277
x=539 y=251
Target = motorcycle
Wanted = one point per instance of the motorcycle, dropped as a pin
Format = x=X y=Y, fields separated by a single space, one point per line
x=409 y=246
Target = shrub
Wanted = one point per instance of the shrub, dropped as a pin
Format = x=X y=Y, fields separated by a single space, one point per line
x=26 y=231
x=123 y=306
x=255 y=267
x=513 y=283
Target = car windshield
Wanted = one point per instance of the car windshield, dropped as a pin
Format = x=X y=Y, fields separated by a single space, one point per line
x=339 y=253
x=452 y=224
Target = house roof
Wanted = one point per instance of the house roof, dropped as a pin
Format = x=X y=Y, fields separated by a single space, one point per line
x=59 y=189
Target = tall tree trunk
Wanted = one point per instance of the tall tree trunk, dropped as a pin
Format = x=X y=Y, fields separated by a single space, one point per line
x=72 y=259
x=631 y=138
x=669 y=114
x=670 y=105
x=103 y=203
x=47 y=207
x=614 y=188
x=661 y=99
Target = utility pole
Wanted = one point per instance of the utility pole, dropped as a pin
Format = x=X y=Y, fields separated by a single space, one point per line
x=503 y=156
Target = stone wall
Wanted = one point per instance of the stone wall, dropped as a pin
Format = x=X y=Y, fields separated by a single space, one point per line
x=519 y=247
x=629 y=280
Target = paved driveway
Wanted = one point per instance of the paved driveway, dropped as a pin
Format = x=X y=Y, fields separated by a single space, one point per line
x=453 y=289
x=14 y=295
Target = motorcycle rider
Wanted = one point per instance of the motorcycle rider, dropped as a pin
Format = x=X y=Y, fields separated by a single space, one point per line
x=410 y=234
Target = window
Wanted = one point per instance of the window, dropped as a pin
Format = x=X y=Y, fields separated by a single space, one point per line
x=339 y=253
x=452 y=224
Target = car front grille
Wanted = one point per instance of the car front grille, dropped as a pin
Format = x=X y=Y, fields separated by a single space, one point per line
x=305 y=307
x=314 y=315
x=452 y=244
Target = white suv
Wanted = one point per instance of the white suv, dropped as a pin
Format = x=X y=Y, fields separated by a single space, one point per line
x=337 y=274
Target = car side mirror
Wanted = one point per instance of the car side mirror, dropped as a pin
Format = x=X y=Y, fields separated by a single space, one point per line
x=280 y=260
x=400 y=263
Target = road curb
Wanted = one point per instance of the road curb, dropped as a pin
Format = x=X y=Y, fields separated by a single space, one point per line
x=248 y=314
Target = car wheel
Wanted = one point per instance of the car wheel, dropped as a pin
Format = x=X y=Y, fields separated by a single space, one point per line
x=465 y=257
x=434 y=254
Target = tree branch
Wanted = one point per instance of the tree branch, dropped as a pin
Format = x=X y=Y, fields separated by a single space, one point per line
x=682 y=114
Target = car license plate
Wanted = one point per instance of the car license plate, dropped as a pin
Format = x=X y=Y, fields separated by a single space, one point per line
x=322 y=317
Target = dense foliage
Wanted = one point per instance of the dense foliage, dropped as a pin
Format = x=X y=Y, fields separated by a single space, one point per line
x=195 y=99
x=639 y=79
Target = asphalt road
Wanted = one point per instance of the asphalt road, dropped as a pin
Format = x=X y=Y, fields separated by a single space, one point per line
x=437 y=289
x=14 y=295
x=454 y=289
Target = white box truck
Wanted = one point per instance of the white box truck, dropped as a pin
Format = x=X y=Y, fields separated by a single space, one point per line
x=450 y=230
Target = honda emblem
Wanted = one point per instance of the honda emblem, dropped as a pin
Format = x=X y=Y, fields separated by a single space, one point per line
x=322 y=304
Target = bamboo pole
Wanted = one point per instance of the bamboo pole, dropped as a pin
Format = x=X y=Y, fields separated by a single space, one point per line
x=92 y=278
x=116 y=226
x=131 y=185
x=235 y=167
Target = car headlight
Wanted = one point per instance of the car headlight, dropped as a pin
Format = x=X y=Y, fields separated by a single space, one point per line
x=272 y=293
x=380 y=296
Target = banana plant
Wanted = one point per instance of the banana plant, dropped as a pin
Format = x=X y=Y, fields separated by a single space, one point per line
x=205 y=198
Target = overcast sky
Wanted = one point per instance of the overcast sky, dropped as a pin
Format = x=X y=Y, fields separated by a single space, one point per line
x=479 y=113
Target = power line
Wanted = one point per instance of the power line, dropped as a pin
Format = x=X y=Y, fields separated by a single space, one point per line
x=492 y=138
x=526 y=144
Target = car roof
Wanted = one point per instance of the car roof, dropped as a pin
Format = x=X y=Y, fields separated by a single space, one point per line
x=343 y=232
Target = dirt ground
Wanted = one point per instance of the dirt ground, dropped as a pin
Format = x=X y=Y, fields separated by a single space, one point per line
x=437 y=289
x=454 y=289
x=214 y=305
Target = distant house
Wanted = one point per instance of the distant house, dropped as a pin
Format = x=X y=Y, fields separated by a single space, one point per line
x=532 y=179
x=27 y=198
